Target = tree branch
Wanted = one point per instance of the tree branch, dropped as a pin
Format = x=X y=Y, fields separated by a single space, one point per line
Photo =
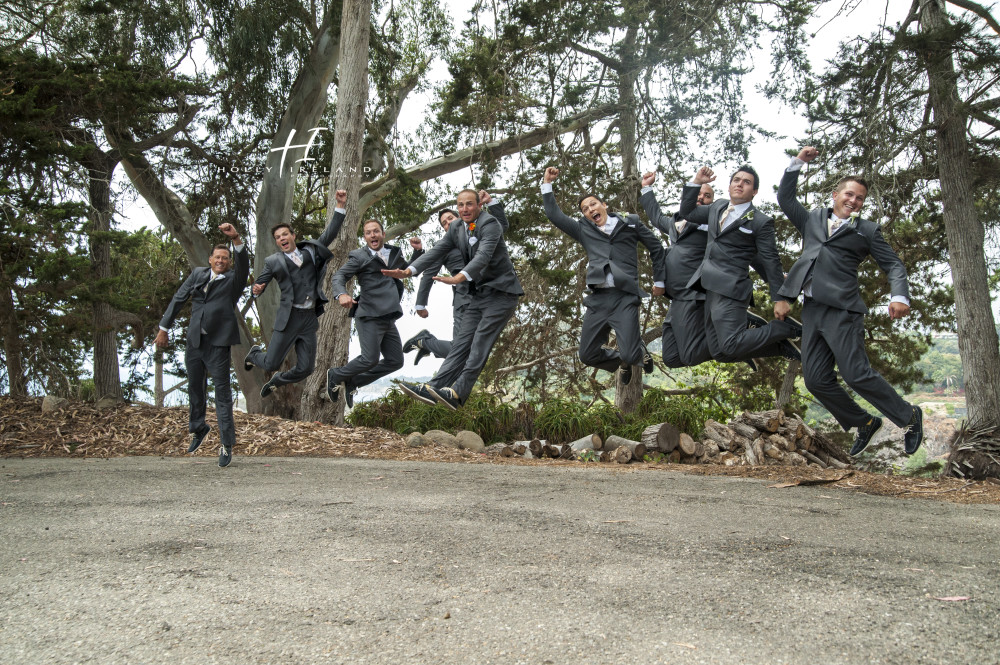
x=978 y=10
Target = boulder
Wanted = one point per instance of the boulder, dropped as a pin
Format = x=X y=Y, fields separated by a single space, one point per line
x=52 y=403
x=417 y=440
x=470 y=441
x=442 y=438
x=108 y=403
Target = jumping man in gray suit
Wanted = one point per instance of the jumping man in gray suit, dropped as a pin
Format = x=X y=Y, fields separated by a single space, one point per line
x=376 y=313
x=214 y=293
x=495 y=292
x=299 y=269
x=426 y=343
x=738 y=235
x=834 y=242
x=611 y=241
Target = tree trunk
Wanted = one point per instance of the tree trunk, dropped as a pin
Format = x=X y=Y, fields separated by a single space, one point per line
x=788 y=383
x=977 y=336
x=107 y=377
x=12 y=346
x=627 y=397
x=346 y=173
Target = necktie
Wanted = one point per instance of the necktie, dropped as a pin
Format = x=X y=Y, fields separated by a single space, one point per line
x=209 y=282
x=680 y=225
x=384 y=255
x=722 y=220
x=296 y=257
x=834 y=225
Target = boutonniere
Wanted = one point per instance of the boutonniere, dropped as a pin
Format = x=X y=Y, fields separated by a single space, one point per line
x=853 y=218
x=472 y=227
x=747 y=216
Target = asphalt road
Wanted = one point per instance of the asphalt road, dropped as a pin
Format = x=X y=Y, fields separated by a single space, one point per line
x=173 y=560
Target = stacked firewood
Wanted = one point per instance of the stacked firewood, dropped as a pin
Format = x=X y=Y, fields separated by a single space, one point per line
x=768 y=437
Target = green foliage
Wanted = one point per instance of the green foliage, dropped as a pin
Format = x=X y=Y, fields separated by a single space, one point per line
x=918 y=466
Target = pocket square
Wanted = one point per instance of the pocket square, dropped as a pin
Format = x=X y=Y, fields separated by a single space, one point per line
x=702 y=227
x=473 y=240
x=745 y=229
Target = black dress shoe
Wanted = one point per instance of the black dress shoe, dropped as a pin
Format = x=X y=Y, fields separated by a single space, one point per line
x=332 y=389
x=790 y=350
x=796 y=328
x=349 y=395
x=447 y=397
x=754 y=321
x=197 y=438
x=246 y=361
x=647 y=361
x=914 y=432
x=625 y=371
x=269 y=387
x=418 y=391
x=411 y=343
x=421 y=351
x=225 y=456
x=865 y=435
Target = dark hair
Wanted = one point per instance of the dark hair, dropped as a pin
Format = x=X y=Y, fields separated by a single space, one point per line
x=746 y=168
x=282 y=225
x=369 y=221
x=851 y=178
x=441 y=213
x=587 y=196
x=225 y=247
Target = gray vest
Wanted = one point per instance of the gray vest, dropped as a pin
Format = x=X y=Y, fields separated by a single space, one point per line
x=303 y=279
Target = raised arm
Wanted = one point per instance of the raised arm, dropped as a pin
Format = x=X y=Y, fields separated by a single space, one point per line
x=241 y=262
x=690 y=210
x=656 y=254
x=563 y=222
x=788 y=189
x=652 y=207
x=339 y=213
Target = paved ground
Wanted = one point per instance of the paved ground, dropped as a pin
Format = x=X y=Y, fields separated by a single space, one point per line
x=172 y=560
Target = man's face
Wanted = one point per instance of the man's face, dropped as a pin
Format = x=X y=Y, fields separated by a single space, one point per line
x=285 y=239
x=374 y=236
x=594 y=210
x=706 y=195
x=468 y=207
x=849 y=199
x=219 y=261
x=446 y=219
x=741 y=188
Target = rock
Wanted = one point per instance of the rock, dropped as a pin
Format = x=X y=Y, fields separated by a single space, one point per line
x=442 y=438
x=417 y=440
x=470 y=441
x=52 y=403
x=108 y=403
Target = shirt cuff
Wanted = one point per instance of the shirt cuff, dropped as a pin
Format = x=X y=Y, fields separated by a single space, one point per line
x=420 y=307
x=659 y=285
x=164 y=329
x=902 y=299
x=546 y=188
x=645 y=190
x=468 y=277
x=238 y=248
x=342 y=211
x=796 y=164
x=692 y=184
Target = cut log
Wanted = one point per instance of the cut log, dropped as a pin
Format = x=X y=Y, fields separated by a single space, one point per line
x=774 y=452
x=812 y=458
x=589 y=442
x=711 y=449
x=744 y=429
x=781 y=442
x=795 y=459
x=720 y=434
x=621 y=455
x=699 y=449
x=662 y=437
x=636 y=448
x=830 y=460
x=689 y=459
x=739 y=443
x=508 y=451
x=686 y=444
x=674 y=456
x=804 y=442
x=765 y=421
x=519 y=448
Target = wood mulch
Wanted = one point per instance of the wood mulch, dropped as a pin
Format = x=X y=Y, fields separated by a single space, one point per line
x=82 y=430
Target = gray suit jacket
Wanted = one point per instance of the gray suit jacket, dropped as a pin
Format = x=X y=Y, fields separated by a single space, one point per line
x=615 y=252
x=379 y=294
x=275 y=267
x=833 y=262
x=454 y=261
x=214 y=311
x=725 y=269
x=484 y=251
